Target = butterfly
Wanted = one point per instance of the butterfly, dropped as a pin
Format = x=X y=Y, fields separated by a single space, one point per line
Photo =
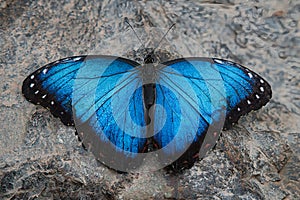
x=127 y=113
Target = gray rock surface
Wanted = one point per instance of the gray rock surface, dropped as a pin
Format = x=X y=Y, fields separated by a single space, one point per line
x=258 y=158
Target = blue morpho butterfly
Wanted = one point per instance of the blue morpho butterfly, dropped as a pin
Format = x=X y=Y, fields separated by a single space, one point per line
x=127 y=113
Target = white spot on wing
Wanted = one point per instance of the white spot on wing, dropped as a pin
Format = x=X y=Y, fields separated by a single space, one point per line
x=78 y=58
x=262 y=81
x=249 y=102
x=218 y=61
x=257 y=96
x=36 y=92
x=32 y=77
x=45 y=71
x=238 y=109
x=250 y=75
x=52 y=102
x=31 y=85
x=262 y=89
x=44 y=96
x=62 y=112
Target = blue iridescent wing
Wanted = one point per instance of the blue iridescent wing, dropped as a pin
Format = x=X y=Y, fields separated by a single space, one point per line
x=200 y=96
x=51 y=86
x=93 y=92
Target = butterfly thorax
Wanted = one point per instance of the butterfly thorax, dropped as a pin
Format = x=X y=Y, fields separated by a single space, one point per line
x=149 y=73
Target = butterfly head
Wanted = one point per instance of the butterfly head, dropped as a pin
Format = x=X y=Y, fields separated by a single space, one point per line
x=150 y=58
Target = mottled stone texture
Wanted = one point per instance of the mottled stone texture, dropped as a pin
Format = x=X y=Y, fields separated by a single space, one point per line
x=257 y=159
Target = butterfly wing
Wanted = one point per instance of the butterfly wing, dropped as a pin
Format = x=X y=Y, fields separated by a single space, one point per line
x=200 y=96
x=51 y=86
x=93 y=92
x=245 y=90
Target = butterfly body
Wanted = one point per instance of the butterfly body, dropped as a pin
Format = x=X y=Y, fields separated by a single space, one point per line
x=122 y=109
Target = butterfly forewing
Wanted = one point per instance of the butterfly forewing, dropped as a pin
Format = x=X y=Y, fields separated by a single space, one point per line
x=51 y=86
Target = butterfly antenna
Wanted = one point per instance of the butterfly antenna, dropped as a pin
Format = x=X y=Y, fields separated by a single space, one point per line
x=163 y=37
x=126 y=20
